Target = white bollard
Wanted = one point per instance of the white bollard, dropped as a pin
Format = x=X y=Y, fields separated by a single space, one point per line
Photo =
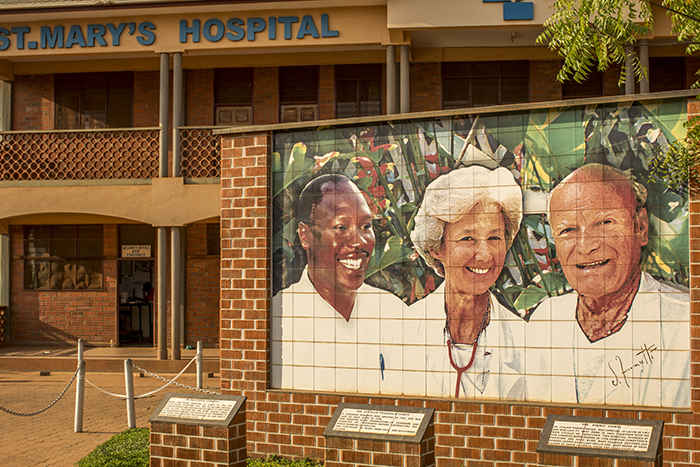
x=200 y=369
x=79 y=390
x=129 y=383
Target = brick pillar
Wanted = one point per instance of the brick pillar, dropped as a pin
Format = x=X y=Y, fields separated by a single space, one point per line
x=543 y=81
x=326 y=92
x=200 y=97
x=266 y=101
x=426 y=87
x=33 y=102
x=244 y=272
x=692 y=66
x=146 y=89
x=610 y=78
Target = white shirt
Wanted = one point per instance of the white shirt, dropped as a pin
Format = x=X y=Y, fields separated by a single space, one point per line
x=497 y=371
x=645 y=363
x=313 y=347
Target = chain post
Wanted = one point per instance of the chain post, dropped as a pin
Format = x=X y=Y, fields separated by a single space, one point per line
x=129 y=383
x=200 y=367
x=79 y=390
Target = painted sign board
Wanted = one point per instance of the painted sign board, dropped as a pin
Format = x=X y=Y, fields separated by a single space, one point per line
x=136 y=251
x=273 y=28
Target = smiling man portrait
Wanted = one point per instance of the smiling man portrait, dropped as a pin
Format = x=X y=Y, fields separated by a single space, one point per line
x=621 y=337
x=328 y=328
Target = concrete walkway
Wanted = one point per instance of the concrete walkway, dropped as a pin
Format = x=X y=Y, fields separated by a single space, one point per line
x=48 y=439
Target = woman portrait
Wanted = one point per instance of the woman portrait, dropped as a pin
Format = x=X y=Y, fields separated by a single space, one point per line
x=463 y=230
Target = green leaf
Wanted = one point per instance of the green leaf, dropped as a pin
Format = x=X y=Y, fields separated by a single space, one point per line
x=530 y=297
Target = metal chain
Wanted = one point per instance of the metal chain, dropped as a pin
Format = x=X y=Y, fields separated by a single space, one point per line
x=184 y=386
x=51 y=404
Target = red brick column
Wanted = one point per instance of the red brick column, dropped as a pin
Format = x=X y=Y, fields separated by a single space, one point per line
x=543 y=81
x=426 y=87
x=33 y=102
x=266 y=95
x=326 y=92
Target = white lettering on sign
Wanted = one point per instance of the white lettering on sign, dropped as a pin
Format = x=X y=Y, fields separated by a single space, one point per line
x=600 y=436
x=384 y=422
x=197 y=409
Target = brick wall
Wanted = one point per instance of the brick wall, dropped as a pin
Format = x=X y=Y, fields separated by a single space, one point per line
x=146 y=97
x=692 y=66
x=426 y=87
x=344 y=452
x=32 y=102
x=326 y=92
x=200 y=97
x=543 y=81
x=64 y=316
x=179 y=444
x=610 y=78
x=266 y=95
x=202 y=282
x=291 y=423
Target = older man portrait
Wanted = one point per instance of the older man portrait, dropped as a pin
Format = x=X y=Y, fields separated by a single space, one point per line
x=621 y=337
x=327 y=327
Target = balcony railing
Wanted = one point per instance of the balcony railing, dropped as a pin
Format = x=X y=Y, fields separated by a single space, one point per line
x=79 y=154
x=200 y=152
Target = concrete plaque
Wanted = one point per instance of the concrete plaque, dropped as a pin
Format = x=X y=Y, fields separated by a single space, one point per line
x=379 y=422
x=605 y=437
x=198 y=409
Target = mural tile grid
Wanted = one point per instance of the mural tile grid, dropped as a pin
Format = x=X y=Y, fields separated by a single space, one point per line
x=488 y=257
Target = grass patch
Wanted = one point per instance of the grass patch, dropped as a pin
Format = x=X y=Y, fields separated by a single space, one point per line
x=127 y=449
x=275 y=461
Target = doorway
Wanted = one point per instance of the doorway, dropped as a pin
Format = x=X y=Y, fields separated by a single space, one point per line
x=135 y=302
x=135 y=284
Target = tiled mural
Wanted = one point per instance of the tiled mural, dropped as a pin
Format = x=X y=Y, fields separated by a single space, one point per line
x=519 y=256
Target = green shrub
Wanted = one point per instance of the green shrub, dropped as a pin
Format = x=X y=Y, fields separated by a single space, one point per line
x=127 y=449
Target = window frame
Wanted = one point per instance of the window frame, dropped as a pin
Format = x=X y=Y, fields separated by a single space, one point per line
x=48 y=259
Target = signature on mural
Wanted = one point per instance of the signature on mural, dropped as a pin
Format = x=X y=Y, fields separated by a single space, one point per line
x=644 y=358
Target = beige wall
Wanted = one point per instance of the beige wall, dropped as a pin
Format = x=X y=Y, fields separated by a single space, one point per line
x=165 y=202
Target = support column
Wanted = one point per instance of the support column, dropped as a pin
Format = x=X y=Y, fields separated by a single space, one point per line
x=405 y=79
x=5 y=105
x=644 y=61
x=178 y=111
x=391 y=107
x=162 y=288
x=176 y=290
x=629 y=72
x=163 y=113
x=4 y=267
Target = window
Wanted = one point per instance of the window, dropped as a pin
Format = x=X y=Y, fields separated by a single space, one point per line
x=358 y=90
x=94 y=100
x=298 y=93
x=592 y=87
x=233 y=96
x=213 y=240
x=666 y=74
x=63 y=257
x=470 y=84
